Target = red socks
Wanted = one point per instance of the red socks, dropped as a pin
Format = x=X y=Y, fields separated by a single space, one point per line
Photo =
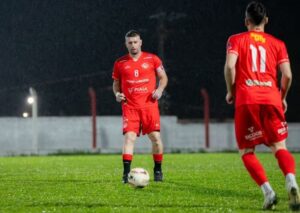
x=157 y=161
x=254 y=168
x=158 y=157
x=127 y=157
x=286 y=161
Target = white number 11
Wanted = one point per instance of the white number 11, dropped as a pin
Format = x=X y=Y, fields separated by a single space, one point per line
x=262 y=52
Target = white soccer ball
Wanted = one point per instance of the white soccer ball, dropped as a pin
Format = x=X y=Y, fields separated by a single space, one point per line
x=138 y=177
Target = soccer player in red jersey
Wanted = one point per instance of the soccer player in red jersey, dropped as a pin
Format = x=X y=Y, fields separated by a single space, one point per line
x=135 y=86
x=252 y=61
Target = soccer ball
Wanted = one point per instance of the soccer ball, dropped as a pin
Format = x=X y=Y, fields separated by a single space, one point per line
x=138 y=177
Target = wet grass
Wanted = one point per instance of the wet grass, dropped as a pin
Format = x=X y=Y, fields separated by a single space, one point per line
x=203 y=182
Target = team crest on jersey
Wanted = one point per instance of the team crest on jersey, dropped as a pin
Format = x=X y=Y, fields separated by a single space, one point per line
x=145 y=65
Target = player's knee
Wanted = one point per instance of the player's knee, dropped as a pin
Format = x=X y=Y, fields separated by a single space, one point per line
x=277 y=146
x=155 y=137
x=156 y=142
x=130 y=138
x=245 y=151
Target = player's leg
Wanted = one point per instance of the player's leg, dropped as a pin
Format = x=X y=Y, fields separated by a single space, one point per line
x=249 y=134
x=131 y=129
x=151 y=126
x=157 y=151
x=277 y=132
x=258 y=174
x=128 y=147
x=287 y=165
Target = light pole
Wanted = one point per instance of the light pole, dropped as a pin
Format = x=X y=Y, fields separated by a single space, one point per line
x=162 y=33
x=33 y=101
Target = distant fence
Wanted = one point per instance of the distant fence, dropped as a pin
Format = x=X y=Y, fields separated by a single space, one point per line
x=74 y=134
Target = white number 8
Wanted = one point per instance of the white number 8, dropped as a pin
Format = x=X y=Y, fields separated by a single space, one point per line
x=136 y=73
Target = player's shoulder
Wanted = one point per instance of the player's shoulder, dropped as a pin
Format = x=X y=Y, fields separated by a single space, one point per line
x=275 y=39
x=122 y=59
x=151 y=56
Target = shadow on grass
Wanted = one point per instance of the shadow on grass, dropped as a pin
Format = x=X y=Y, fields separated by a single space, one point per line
x=211 y=191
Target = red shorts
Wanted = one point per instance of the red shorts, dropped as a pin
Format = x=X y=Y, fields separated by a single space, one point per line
x=259 y=124
x=146 y=120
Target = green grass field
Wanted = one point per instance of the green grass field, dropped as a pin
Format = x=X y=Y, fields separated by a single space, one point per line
x=204 y=182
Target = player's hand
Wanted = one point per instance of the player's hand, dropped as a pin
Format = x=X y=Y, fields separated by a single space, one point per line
x=284 y=105
x=120 y=97
x=229 y=98
x=156 y=94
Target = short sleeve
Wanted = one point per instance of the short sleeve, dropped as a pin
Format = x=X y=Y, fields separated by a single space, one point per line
x=116 y=72
x=232 y=45
x=282 y=54
x=157 y=62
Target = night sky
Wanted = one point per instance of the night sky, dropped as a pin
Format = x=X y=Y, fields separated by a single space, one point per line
x=63 y=47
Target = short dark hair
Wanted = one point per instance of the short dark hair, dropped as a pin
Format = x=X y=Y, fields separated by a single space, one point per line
x=256 y=12
x=132 y=33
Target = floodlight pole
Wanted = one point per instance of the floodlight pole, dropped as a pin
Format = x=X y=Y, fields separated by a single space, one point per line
x=34 y=109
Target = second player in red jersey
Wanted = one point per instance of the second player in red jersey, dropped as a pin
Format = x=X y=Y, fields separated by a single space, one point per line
x=258 y=55
x=135 y=86
x=138 y=79
x=252 y=61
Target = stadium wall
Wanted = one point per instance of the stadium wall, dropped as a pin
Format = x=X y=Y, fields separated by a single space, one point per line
x=74 y=135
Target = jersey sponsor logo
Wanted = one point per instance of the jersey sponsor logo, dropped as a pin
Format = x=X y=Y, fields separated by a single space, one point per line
x=130 y=90
x=138 y=90
x=127 y=67
x=145 y=65
x=258 y=37
x=138 y=81
x=253 y=134
x=252 y=83
x=283 y=130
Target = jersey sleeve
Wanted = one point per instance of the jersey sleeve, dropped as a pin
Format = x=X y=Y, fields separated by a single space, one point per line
x=282 y=54
x=232 y=45
x=116 y=72
x=157 y=62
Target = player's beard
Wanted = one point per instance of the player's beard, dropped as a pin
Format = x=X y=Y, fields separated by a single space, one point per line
x=134 y=52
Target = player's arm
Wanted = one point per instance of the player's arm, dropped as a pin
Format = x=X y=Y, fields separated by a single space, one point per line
x=117 y=91
x=229 y=74
x=286 y=80
x=163 y=82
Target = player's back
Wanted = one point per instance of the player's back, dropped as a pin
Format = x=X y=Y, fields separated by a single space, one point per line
x=259 y=55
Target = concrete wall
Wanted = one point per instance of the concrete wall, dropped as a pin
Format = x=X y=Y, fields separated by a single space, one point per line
x=74 y=134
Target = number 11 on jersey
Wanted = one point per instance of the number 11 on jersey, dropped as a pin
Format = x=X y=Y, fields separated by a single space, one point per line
x=262 y=62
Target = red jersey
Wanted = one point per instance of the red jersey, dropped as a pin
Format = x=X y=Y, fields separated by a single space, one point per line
x=259 y=55
x=137 y=79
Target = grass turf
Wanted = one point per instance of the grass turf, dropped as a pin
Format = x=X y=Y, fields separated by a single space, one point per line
x=204 y=182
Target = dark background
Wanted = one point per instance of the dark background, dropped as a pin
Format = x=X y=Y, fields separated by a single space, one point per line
x=63 y=47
